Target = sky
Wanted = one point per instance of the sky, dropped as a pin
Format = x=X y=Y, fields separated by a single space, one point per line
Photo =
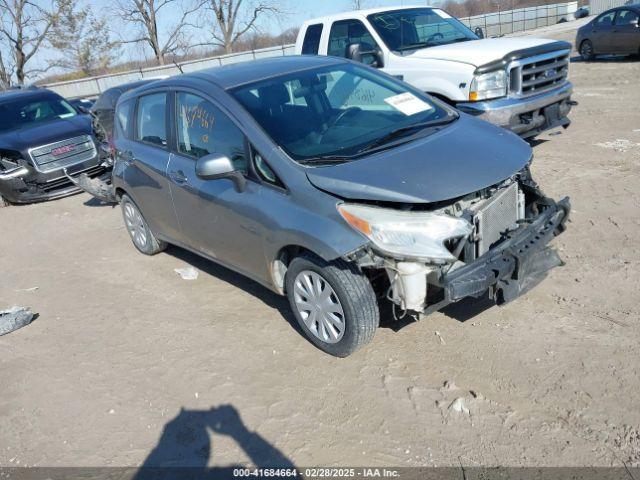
x=294 y=13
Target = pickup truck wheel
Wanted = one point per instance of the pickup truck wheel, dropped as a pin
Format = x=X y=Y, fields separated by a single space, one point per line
x=333 y=302
x=586 y=50
x=143 y=238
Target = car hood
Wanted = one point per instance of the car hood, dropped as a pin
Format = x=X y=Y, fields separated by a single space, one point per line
x=464 y=157
x=479 y=52
x=29 y=137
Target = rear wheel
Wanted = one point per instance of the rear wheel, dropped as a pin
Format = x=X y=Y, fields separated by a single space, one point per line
x=141 y=236
x=586 y=50
x=3 y=202
x=333 y=303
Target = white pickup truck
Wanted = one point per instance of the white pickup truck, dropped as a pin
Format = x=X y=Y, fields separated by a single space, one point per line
x=518 y=83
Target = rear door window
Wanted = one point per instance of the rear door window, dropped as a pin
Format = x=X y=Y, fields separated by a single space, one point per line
x=150 y=120
x=311 y=42
x=605 y=20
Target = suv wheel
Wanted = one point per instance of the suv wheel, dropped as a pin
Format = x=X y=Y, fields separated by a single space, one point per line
x=142 y=237
x=586 y=51
x=333 y=302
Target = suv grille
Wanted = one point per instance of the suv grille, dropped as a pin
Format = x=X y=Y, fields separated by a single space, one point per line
x=540 y=73
x=63 y=154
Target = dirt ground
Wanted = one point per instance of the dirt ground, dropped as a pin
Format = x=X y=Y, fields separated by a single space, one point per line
x=128 y=364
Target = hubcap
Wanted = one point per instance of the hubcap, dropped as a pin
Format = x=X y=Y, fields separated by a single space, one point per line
x=319 y=306
x=135 y=225
x=586 y=49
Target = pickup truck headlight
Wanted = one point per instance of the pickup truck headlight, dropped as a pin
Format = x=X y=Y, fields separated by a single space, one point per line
x=415 y=235
x=488 y=85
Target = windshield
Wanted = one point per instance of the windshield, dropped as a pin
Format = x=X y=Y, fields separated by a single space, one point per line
x=419 y=28
x=337 y=111
x=26 y=112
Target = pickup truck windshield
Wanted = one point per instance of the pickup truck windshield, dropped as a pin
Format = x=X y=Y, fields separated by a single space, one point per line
x=21 y=113
x=419 y=28
x=335 y=113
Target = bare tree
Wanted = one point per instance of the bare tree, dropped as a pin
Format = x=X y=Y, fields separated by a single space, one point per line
x=357 y=4
x=144 y=14
x=234 y=18
x=83 y=40
x=24 y=27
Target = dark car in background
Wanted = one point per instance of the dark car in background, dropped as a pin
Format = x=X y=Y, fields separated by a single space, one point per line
x=614 y=32
x=105 y=106
x=41 y=135
x=82 y=105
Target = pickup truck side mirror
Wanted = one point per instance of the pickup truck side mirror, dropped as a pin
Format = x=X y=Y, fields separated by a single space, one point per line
x=215 y=166
x=479 y=32
x=364 y=53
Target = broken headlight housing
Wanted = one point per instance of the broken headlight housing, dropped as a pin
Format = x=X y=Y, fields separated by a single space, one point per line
x=488 y=85
x=414 y=235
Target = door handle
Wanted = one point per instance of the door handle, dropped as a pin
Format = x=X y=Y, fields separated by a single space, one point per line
x=179 y=177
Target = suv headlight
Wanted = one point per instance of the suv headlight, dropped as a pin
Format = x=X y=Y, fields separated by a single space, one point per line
x=416 y=235
x=488 y=85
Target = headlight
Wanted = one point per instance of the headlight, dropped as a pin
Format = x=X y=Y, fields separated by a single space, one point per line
x=488 y=85
x=417 y=235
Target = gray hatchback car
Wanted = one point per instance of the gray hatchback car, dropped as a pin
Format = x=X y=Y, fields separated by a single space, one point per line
x=335 y=185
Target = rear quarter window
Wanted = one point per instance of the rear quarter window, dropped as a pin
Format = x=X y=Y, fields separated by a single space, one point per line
x=124 y=115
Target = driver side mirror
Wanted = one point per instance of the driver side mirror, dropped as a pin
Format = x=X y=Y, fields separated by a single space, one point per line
x=84 y=110
x=215 y=166
x=366 y=54
x=479 y=32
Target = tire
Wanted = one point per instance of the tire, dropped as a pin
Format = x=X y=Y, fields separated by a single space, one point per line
x=346 y=289
x=3 y=202
x=141 y=236
x=586 y=51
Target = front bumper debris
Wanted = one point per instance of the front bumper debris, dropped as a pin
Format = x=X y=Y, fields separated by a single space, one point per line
x=515 y=266
x=526 y=116
x=100 y=187
x=25 y=185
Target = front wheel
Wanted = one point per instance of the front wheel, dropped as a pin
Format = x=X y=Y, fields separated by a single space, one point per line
x=586 y=51
x=333 y=303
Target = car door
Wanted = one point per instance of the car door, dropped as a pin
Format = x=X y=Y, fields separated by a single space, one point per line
x=602 y=32
x=146 y=157
x=626 y=32
x=216 y=218
x=344 y=33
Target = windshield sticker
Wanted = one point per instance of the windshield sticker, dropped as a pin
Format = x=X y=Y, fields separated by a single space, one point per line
x=408 y=103
x=442 y=13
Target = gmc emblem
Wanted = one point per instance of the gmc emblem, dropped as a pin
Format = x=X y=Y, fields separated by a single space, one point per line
x=62 y=150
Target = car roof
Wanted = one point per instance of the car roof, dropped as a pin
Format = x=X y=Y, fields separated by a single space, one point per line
x=242 y=73
x=362 y=13
x=26 y=93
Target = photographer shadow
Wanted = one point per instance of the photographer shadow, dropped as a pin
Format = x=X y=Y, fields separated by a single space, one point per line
x=184 y=449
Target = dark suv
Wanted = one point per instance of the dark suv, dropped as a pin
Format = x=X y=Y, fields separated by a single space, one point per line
x=41 y=135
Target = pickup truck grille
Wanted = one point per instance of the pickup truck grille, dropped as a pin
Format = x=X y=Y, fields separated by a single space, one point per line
x=540 y=73
x=63 y=154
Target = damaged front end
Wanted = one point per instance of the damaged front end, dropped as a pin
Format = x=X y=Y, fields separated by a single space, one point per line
x=21 y=181
x=493 y=240
x=99 y=187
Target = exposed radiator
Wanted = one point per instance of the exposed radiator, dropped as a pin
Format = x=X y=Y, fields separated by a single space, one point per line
x=496 y=215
